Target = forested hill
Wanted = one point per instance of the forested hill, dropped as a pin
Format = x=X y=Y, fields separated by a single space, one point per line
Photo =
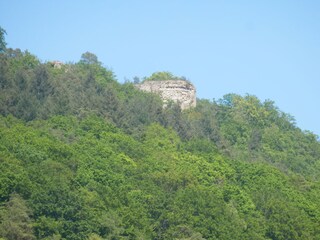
x=85 y=157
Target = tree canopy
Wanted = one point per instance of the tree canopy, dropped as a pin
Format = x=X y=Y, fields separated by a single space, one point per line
x=85 y=157
x=161 y=76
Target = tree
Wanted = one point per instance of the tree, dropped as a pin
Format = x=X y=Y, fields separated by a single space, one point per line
x=136 y=80
x=3 y=43
x=15 y=220
x=89 y=58
x=40 y=84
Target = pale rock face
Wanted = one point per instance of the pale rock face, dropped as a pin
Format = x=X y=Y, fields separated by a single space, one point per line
x=179 y=91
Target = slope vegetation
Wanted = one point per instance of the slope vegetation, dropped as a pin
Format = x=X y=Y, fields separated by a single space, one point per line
x=84 y=157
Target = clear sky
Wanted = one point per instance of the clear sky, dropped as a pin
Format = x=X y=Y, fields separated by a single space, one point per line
x=268 y=48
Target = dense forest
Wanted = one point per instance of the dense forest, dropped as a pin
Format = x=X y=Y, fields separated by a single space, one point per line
x=85 y=157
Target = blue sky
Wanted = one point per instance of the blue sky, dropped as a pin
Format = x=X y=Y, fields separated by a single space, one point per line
x=270 y=49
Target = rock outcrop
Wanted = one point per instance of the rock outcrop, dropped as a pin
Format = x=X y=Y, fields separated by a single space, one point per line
x=179 y=91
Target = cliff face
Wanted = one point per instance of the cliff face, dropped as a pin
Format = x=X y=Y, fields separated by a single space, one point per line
x=179 y=91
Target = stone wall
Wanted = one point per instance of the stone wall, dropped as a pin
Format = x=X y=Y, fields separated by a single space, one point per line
x=179 y=91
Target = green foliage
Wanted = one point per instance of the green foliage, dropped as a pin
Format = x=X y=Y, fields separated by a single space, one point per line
x=86 y=178
x=84 y=157
x=13 y=177
x=15 y=221
x=160 y=76
x=3 y=43
x=89 y=58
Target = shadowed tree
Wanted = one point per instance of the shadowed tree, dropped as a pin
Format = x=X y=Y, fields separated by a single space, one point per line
x=89 y=58
x=3 y=43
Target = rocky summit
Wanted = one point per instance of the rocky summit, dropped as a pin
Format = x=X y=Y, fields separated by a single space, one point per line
x=179 y=91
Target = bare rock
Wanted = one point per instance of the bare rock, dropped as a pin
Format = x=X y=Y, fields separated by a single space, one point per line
x=179 y=91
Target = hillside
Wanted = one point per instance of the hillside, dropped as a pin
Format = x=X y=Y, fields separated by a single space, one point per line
x=85 y=157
